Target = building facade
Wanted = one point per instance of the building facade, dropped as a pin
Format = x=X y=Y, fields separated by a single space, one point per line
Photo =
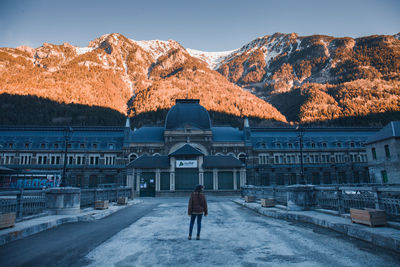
x=384 y=154
x=94 y=155
x=189 y=150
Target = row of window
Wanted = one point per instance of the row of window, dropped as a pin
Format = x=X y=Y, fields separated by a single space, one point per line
x=42 y=159
x=387 y=152
x=312 y=145
x=58 y=146
x=310 y=158
x=316 y=178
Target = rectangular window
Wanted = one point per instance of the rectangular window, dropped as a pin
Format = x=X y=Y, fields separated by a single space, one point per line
x=80 y=160
x=8 y=159
x=110 y=159
x=373 y=150
x=70 y=159
x=94 y=160
x=384 y=176
x=263 y=159
x=25 y=159
x=42 y=159
x=387 y=151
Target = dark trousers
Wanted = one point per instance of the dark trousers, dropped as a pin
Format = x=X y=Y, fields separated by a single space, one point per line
x=192 y=219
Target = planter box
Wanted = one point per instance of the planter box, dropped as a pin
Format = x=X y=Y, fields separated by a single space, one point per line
x=122 y=201
x=7 y=220
x=369 y=217
x=250 y=198
x=268 y=202
x=101 y=204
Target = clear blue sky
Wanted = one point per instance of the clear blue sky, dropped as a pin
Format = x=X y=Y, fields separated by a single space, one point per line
x=209 y=25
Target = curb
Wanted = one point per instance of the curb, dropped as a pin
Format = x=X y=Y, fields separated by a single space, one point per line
x=40 y=224
x=386 y=240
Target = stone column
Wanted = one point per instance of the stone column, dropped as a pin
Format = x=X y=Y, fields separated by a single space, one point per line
x=215 y=179
x=63 y=200
x=172 y=181
x=158 y=179
x=172 y=174
x=137 y=181
x=201 y=178
x=201 y=170
x=242 y=177
x=300 y=197
x=234 y=179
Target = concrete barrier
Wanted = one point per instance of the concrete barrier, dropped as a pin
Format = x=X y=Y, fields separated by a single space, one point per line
x=63 y=200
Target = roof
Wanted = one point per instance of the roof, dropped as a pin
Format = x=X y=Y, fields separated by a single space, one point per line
x=187 y=150
x=150 y=162
x=227 y=134
x=389 y=131
x=187 y=112
x=34 y=137
x=221 y=162
x=147 y=134
x=322 y=137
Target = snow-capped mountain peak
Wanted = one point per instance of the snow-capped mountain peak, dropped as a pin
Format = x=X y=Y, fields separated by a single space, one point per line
x=213 y=59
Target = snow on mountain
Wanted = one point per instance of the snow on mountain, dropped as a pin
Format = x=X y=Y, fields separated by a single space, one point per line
x=213 y=59
x=83 y=50
x=156 y=48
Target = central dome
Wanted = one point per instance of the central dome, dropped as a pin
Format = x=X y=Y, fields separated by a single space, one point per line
x=187 y=112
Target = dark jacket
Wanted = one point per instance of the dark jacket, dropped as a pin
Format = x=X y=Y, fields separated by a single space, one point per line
x=197 y=203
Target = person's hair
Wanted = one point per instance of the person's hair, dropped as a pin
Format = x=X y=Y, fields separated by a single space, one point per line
x=198 y=188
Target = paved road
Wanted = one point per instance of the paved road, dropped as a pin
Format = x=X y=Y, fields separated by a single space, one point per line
x=67 y=244
x=155 y=233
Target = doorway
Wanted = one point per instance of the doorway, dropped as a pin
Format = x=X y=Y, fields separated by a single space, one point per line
x=147 y=184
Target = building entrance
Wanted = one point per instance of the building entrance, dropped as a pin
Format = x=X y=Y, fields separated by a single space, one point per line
x=186 y=179
x=147 y=184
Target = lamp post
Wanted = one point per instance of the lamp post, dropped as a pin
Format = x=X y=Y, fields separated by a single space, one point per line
x=300 y=134
x=67 y=134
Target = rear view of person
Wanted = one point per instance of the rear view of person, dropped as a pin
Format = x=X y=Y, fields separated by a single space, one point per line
x=197 y=206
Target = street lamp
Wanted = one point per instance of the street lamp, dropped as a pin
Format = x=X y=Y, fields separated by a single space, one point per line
x=300 y=134
x=67 y=134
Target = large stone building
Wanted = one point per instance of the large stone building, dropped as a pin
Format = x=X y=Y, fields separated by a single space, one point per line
x=384 y=154
x=189 y=150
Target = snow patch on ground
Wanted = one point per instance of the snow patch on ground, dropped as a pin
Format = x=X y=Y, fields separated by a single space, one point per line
x=213 y=59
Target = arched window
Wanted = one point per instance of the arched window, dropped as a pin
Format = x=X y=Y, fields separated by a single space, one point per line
x=242 y=157
x=132 y=157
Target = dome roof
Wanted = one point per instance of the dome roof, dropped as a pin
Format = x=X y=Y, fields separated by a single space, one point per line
x=187 y=112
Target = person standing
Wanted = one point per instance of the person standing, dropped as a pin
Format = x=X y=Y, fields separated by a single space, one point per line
x=197 y=206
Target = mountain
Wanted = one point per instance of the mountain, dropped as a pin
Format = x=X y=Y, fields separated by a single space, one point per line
x=318 y=78
x=133 y=77
x=279 y=77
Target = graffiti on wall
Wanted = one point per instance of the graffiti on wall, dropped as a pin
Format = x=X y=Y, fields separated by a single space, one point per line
x=33 y=182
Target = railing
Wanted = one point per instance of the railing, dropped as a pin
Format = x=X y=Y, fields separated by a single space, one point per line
x=89 y=196
x=23 y=202
x=340 y=198
x=279 y=193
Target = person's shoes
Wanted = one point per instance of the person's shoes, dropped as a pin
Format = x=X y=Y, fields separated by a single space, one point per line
x=190 y=237
x=198 y=237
